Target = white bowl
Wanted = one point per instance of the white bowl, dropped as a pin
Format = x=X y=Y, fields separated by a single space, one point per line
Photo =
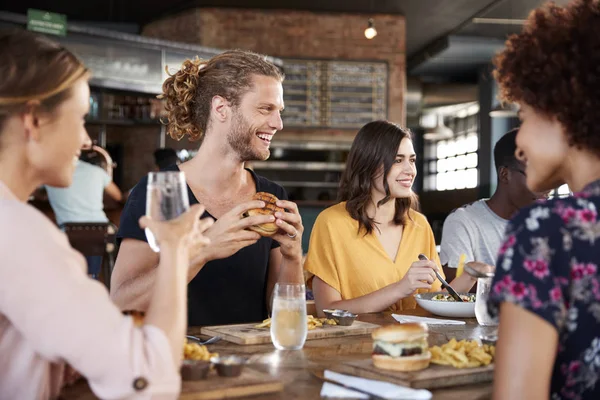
x=446 y=308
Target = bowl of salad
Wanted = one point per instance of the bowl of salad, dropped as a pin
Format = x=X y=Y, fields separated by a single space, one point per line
x=441 y=303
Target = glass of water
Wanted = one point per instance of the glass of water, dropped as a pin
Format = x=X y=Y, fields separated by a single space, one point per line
x=166 y=198
x=288 y=318
x=484 y=285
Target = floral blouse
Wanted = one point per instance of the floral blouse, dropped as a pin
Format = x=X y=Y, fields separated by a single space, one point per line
x=548 y=265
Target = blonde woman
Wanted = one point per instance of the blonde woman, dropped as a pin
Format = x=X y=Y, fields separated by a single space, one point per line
x=51 y=313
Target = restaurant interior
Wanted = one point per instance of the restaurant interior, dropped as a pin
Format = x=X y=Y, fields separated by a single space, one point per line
x=423 y=64
x=428 y=68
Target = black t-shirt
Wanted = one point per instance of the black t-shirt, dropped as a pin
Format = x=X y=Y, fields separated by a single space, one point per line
x=226 y=291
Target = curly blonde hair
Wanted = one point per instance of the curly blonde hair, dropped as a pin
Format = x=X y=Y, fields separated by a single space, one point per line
x=189 y=91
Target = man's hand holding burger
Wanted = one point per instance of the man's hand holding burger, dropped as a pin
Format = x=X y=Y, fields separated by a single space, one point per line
x=285 y=263
x=243 y=225
x=286 y=227
x=230 y=233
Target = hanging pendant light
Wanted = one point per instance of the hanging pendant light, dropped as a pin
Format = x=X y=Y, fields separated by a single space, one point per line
x=370 y=32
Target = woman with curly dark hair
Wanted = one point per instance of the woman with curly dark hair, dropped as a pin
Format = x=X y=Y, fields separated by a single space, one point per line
x=547 y=284
x=364 y=251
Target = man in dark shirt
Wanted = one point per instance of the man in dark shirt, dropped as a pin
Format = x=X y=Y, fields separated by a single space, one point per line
x=232 y=105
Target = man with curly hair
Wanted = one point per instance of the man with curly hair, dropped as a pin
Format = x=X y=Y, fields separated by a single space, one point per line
x=547 y=285
x=231 y=104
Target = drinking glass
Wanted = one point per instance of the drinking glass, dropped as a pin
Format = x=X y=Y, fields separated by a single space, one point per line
x=166 y=198
x=484 y=286
x=288 y=319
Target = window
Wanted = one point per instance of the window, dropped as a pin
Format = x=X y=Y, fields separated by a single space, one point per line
x=562 y=191
x=452 y=163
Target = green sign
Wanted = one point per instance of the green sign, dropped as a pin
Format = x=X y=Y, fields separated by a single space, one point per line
x=46 y=22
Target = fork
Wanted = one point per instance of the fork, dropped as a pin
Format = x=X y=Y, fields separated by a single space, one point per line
x=196 y=339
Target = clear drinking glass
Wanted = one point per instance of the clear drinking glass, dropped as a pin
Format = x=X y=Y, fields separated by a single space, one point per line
x=484 y=286
x=166 y=198
x=288 y=319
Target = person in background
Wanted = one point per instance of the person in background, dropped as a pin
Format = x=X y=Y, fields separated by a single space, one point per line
x=547 y=284
x=165 y=157
x=364 y=252
x=51 y=314
x=232 y=105
x=477 y=229
x=83 y=200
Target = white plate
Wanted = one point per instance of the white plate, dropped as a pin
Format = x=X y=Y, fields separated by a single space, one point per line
x=446 y=308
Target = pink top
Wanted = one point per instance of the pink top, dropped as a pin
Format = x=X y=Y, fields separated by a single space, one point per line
x=51 y=313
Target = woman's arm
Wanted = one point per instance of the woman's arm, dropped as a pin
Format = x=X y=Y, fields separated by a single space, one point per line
x=465 y=282
x=525 y=355
x=419 y=276
x=64 y=316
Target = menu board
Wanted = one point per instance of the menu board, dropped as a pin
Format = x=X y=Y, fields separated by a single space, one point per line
x=118 y=64
x=302 y=93
x=334 y=94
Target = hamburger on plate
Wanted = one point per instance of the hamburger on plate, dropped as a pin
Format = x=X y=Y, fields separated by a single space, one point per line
x=401 y=347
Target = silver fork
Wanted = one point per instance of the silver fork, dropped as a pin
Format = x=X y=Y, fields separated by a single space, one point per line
x=196 y=339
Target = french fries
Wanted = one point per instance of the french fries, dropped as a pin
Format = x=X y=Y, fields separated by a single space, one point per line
x=311 y=322
x=463 y=354
x=194 y=351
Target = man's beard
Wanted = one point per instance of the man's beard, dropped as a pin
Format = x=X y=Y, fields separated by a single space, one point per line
x=240 y=138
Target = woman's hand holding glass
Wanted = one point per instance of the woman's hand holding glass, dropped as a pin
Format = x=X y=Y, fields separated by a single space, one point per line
x=184 y=232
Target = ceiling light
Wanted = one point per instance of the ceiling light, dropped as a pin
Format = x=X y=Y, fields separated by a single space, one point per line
x=510 y=110
x=370 y=32
x=440 y=131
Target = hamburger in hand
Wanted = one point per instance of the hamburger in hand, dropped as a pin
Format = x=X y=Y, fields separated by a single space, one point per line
x=401 y=347
x=268 y=229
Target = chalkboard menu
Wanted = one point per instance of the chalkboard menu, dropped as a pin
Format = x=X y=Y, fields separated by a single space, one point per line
x=334 y=94
x=117 y=63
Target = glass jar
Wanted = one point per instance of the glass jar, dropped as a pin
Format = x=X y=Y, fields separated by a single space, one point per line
x=484 y=286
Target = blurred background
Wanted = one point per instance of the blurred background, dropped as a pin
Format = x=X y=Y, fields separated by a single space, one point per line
x=425 y=64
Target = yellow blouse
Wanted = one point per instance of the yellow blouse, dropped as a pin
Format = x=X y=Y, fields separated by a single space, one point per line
x=355 y=264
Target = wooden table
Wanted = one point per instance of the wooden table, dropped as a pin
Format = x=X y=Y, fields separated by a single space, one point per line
x=294 y=367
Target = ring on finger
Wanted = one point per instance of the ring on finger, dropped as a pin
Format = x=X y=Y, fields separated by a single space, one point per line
x=294 y=235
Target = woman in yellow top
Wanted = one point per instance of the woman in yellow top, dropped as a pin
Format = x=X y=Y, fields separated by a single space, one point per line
x=364 y=251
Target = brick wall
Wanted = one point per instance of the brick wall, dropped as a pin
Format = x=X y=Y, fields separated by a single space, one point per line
x=297 y=34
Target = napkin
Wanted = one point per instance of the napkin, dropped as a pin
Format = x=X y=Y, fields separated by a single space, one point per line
x=379 y=388
x=429 y=321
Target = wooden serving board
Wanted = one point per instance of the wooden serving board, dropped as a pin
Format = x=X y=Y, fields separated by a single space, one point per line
x=248 y=334
x=249 y=383
x=435 y=376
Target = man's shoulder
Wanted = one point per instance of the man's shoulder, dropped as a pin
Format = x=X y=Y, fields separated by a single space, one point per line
x=472 y=213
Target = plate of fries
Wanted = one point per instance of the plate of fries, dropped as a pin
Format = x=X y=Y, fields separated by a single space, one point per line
x=197 y=352
x=311 y=322
x=462 y=354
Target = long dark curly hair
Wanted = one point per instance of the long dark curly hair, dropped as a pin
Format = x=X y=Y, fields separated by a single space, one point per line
x=375 y=146
x=553 y=66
